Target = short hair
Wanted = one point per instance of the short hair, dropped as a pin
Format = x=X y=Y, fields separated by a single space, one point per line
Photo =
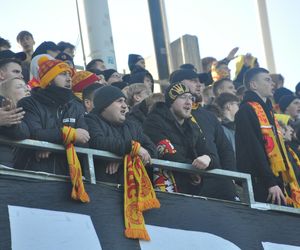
x=225 y=98
x=5 y=61
x=276 y=78
x=219 y=84
x=251 y=74
x=88 y=92
x=151 y=100
x=65 y=45
x=213 y=108
x=92 y=63
x=4 y=43
x=134 y=89
x=206 y=61
x=22 y=34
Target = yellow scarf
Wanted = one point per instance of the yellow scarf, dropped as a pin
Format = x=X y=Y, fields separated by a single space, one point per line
x=78 y=94
x=138 y=195
x=78 y=191
x=275 y=157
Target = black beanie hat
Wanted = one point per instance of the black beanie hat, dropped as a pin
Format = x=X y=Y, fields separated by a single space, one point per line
x=183 y=74
x=280 y=93
x=133 y=59
x=105 y=96
x=173 y=91
x=285 y=101
x=107 y=73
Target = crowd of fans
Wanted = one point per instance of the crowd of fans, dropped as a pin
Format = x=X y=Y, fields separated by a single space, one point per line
x=247 y=123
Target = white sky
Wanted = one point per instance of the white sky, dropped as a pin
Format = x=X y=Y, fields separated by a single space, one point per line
x=219 y=25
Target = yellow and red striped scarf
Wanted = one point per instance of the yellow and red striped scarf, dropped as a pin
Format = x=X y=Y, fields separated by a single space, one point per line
x=276 y=159
x=138 y=195
x=78 y=191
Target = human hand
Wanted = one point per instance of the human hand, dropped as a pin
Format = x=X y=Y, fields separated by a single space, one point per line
x=201 y=162
x=82 y=136
x=42 y=155
x=10 y=116
x=276 y=195
x=112 y=167
x=145 y=156
x=232 y=53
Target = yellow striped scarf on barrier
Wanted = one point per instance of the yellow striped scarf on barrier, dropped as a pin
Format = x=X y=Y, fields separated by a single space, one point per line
x=138 y=195
x=78 y=191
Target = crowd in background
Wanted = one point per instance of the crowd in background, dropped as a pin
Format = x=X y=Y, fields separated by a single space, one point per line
x=247 y=121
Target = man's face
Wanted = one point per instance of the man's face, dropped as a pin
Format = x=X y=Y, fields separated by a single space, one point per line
x=182 y=106
x=263 y=85
x=233 y=108
x=115 y=77
x=63 y=80
x=18 y=89
x=194 y=85
x=11 y=70
x=27 y=43
x=293 y=109
x=224 y=69
x=70 y=52
x=227 y=87
x=116 y=112
x=148 y=83
x=100 y=66
x=141 y=63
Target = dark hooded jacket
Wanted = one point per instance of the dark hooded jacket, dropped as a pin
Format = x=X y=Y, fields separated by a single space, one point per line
x=116 y=139
x=251 y=155
x=138 y=113
x=47 y=111
x=138 y=77
x=187 y=140
x=220 y=146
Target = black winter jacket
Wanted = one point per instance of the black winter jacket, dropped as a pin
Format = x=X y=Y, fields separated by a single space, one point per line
x=250 y=150
x=116 y=139
x=220 y=146
x=187 y=140
x=138 y=113
x=217 y=141
x=47 y=111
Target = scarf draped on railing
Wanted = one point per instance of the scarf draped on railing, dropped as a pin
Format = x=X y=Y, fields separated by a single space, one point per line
x=138 y=195
x=78 y=191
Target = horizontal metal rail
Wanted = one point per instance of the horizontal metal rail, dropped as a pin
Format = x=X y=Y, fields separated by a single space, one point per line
x=90 y=154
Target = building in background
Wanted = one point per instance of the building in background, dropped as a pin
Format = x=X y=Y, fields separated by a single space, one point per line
x=186 y=50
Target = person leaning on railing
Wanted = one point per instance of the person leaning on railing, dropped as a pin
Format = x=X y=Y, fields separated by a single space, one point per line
x=51 y=112
x=111 y=131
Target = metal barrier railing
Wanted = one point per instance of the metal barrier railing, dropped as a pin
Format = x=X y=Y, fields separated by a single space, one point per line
x=89 y=155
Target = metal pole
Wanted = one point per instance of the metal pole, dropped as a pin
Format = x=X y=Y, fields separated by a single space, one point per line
x=80 y=33
x=266 y=34
x=159 y=37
